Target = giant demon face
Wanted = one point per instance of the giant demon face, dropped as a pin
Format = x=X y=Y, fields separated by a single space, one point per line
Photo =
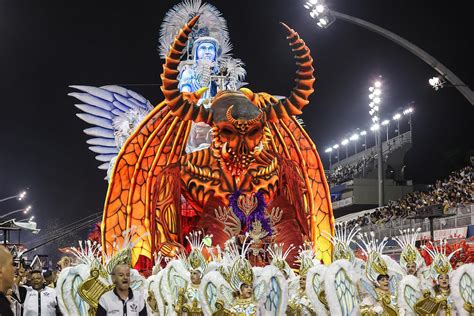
x=237 y=121
x=237 y=130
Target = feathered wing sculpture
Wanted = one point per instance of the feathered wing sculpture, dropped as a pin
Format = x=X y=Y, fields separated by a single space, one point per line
x=67 y=287
x=114 y=113
x=340 y=284
x=315 y=289
x=274 y=300
x=462 y=287
x=409 y=292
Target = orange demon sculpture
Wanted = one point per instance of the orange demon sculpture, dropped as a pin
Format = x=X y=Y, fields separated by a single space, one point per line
x=261 y=171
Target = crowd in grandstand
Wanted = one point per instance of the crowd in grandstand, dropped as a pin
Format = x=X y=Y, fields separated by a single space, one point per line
x=344 y=173
x=457 y=189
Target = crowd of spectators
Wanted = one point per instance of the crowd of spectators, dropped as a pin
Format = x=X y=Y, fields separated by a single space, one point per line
x=457 y=189
x=345 y=173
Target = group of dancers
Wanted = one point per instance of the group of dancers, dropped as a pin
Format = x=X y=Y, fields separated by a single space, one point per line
x=208 y=280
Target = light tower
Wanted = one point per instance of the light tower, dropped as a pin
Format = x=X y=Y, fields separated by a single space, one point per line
x=375 y=97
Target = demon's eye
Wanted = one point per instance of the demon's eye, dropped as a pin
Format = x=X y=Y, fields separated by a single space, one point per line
x=226 y=132
x=253 y=132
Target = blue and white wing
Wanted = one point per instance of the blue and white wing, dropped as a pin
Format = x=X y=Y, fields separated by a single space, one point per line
x=69 y=300
x=340 y=284
x=462 y=287
x=213 y=291
x=114 y=113
x=395 y=271
x=271 y=290
x=177 y=277
x=314 y=286
x=137 y=281
x=409 y=292
x=157 y=287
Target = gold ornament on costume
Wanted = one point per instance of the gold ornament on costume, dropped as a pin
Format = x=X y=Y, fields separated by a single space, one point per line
x=241 y=271
x=341 y=241
x=279 y=257
x=410 y=254
x=372 y=249
x=441 y=263
x=196 y=260
x=122 y=253
x=305 y=258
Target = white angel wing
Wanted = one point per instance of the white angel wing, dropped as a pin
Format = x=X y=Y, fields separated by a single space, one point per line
x=314 y=285
x=462 y=287
x=396 y=273
x=177 y=277
x=214 y=289
x=114 y=112
x=137 y=281
x=409 y=291
x=274 y=298
x=69 y=301
x=340 y=284
x=156 y=285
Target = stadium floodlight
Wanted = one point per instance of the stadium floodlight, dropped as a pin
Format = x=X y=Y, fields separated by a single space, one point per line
x=313 y=14
x=344 y=142
x=377 y=100
x=375 y=127
x=437 y=82
x=313 y=1
x=408 y=111
x=323 y=22
x=308 y=5
x=27 y=209
x=363 y=133
x=385 y=122
x=371 y=89
x=375 y=119
x=328 y=150
x=354 y=137
x=377 y=92
x=21 y=196
x=320 y=8
x=377 y=84
x=335 y=146
x=371 y=96
x=397 y=116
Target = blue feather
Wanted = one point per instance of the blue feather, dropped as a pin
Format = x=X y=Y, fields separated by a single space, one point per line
x=86 y=108
x=107 y=142
x=99 y=132
x=92 y=100
x=105 y=158
x=97 y=92
x=104 y=150
x=95 y=120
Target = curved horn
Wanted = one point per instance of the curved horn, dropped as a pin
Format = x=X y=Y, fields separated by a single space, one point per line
x=298 y=98
x=229 y=117
x=181 y=104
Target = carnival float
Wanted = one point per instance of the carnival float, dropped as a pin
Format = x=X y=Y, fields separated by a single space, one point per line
x=218 y=200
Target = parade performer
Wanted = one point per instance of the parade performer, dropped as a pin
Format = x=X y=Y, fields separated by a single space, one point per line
x=188 y=297
x=379 y=285
x=300 y=304
x=462 y=285
x=417 y=279
x=440 y=301
x=80 y=287
x=238 y=289
x=333 y=289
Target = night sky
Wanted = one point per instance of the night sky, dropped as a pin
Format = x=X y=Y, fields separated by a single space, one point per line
x=45 y=46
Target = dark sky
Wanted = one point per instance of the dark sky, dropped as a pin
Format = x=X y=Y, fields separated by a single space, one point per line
x=46 y=46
